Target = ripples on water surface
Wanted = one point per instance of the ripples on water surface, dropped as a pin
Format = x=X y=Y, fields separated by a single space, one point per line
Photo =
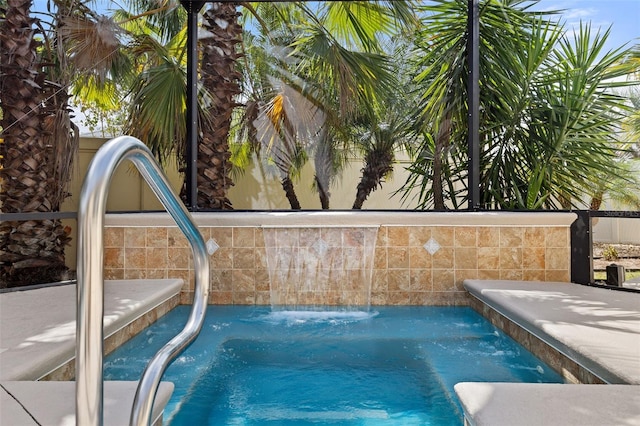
x=390 y=366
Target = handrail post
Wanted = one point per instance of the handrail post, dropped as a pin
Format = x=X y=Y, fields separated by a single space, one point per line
x=90 y=293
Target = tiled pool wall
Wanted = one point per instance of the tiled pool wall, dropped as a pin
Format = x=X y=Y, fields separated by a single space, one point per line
x=420 y=258
x=67 y=370
x=570 y=370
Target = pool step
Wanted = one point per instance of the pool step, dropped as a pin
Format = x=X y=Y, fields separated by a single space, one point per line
x=26 y=403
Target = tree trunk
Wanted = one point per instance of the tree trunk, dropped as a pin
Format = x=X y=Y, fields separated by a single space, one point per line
x=441 y=147
x=221 y=80
x=289 y=190
x=378 y=164
x=323 y=160
x=30 y=251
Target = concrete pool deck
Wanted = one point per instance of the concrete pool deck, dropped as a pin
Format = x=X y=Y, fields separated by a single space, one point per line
x=37 y=343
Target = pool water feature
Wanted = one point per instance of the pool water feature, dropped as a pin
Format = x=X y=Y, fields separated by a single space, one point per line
x=394 y=365
x=311 y=266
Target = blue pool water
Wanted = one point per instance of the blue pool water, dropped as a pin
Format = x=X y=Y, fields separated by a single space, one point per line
x=393 y=366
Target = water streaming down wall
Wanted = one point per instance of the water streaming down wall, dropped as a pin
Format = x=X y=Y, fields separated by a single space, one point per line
x=311 y=267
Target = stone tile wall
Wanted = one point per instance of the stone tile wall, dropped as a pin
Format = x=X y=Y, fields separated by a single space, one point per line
x=571 y=371
x=412 y=265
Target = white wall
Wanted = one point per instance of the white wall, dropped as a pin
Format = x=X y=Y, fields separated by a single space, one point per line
x=615 y=230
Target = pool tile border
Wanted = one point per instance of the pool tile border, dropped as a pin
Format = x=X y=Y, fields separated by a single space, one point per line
x=571 y=371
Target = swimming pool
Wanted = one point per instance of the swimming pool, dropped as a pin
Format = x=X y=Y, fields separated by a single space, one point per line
x=394 y=365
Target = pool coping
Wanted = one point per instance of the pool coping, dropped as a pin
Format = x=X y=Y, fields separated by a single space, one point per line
x=35 y=346
x=37 y=351
x=27 y=403
x=588 y=334
x=583 y=332
x=535 y=404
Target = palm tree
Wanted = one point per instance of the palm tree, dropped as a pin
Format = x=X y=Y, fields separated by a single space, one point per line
x=39 y=138
x=313 y=42
x=36 y=145
x=547 y=110
x=26 y=248
x=329 y=72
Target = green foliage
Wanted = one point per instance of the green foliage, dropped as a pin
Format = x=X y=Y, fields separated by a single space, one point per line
x=548 y=110
x=610 y=253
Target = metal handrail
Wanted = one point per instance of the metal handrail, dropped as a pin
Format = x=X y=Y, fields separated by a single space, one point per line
x=90 y=310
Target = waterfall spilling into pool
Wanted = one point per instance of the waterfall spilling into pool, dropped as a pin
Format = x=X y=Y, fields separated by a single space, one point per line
x=313 y=267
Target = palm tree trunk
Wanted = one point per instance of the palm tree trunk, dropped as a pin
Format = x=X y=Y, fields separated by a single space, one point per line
x=287 y=186
x=221 y=80
x=323 y=161
x=442 y=143
x=30 y=251
x=378 y=164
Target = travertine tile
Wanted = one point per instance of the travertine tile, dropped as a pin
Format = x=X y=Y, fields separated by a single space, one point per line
x=443 y=258
x=244 y=258
x=380 y=258
x=244 y=237
x=511 y=274
x=510 y=258
x=244 y=298
x=419 y=258
x=534 y=258
x=419 y=235
x=156 y=237
x=421 y=280
x=114 y=273
x=399 y=280
x=114 y=257
x=534 y=275
x=157 y=274
x=178 y=258
x=443 y=235
x=222 y=258
x=135 y=274
x=240 y=268
x=398 y=257
x=135 y=237
x=534 y=237
x=222 y=236
x=398 y=298
x=466 y=258
x=379 y=281
x=465 y=236
x=243 y=280
x=511 y=237
x=114 y=237
x=135 y=258
x=557 y=258
x=176 y=239
x=557 y=237
x=221 y=280
x=398 y=236
x=488 y=274
x=562 y=275
x=488 y=258
x=443 y=280
x=157 y=258
x=382 y=240
x=488 y=237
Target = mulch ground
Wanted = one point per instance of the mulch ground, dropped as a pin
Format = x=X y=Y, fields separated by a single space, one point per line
x=628 y=256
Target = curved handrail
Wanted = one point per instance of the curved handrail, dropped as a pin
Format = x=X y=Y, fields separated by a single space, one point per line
x=90 y=310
